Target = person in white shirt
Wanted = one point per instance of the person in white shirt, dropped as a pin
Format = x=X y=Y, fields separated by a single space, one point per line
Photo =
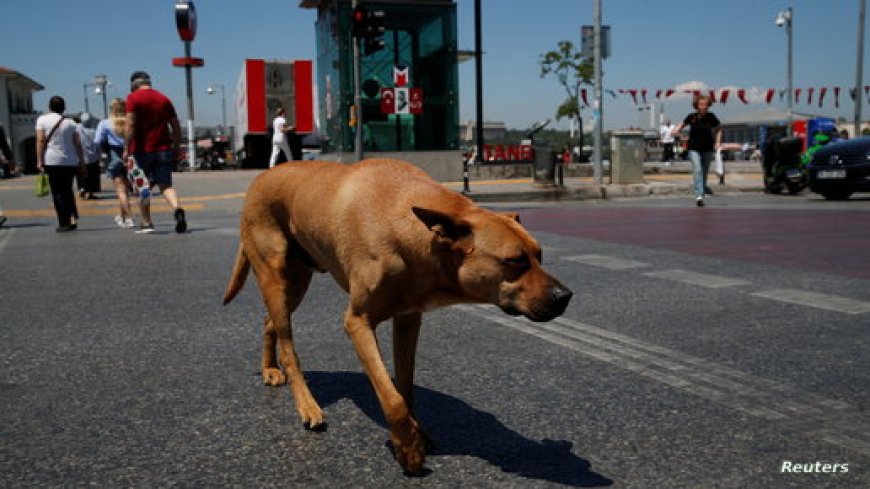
x=667 y=136
x=59 y=154
x=279 y=137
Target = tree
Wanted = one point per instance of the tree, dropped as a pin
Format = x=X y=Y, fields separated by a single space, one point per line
x=571 y=69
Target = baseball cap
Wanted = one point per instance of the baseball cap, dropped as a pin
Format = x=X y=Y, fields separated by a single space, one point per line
x=139 y=75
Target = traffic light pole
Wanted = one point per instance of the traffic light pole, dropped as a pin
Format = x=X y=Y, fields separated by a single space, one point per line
x=357 y=99
x=598 y=109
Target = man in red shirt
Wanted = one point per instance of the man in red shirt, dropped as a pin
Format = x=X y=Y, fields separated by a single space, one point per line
x=153 y=138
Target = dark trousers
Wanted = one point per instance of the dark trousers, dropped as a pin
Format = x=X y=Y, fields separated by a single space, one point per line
x=91 y=182
x=61 y=180
x=668 y=153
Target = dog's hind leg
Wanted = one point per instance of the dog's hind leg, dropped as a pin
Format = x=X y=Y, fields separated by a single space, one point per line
x=271 y=372
x=283 y=282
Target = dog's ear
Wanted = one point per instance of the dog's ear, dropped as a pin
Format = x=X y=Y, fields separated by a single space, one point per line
x=512 y=216
x=448 y=229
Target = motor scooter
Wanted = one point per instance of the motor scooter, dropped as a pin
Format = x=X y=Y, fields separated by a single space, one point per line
x=782 y=165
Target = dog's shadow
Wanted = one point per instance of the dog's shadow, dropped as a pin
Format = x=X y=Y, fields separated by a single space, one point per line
x=459 y=429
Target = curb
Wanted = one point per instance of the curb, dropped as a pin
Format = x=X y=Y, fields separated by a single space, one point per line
x=604 y=192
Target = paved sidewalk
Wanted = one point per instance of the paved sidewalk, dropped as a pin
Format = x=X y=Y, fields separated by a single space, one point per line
x=675 y=179
x=209 y=188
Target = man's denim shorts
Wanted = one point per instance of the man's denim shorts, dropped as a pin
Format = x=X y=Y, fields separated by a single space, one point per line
x=157 y=167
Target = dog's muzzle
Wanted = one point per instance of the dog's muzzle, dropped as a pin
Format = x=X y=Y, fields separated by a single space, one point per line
x=553 y=307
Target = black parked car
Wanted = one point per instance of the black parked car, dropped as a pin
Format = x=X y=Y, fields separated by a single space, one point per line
x=840 y=169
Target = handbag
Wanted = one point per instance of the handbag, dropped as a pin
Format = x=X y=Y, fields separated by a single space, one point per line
x=42 y=187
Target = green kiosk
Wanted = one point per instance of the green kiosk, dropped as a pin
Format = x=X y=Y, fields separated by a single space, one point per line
x=409 y=82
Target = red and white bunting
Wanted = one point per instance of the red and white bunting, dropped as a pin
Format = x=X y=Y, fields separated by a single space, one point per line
x=723 y=95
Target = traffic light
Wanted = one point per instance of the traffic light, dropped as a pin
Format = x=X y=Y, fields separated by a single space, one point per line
x=373 y=45
x=369 y=25
x=360 y=21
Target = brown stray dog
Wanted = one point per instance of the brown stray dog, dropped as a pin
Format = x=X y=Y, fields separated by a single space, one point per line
x=400 y=244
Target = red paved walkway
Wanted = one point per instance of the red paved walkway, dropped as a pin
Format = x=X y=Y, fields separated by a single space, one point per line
x=825 y=241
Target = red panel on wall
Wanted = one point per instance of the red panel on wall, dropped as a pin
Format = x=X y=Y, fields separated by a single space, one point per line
x=302 y=77
x=256 y=77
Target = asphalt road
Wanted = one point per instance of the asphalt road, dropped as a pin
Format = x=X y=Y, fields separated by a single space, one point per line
x=686 y=359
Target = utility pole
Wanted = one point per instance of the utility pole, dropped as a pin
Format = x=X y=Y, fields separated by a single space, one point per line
x=357 y=99
x=784 y=18
x=478 y=84
x=859 y=78
x=597 y=108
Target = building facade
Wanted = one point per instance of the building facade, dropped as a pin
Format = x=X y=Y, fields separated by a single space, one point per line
x=420 y=36
x=18 y=117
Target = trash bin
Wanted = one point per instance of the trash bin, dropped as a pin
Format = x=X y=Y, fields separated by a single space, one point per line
x=545 y=167
x=626 y=157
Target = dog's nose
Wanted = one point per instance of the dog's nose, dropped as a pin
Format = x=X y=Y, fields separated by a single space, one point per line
x=561 y=296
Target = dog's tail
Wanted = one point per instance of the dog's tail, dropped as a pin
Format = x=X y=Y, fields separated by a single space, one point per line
x=240 y=273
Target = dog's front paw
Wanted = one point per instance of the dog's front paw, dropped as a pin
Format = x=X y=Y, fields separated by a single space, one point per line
x=274 y=377
x=312 y=418
x=308 y=409
x=410 y=449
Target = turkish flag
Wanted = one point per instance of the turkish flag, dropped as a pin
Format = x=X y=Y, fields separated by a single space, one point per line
x=723 y=97
x=583 y=96
x=643 y=94
x=810 y=95
x=837 y=97
x=658 y=94
x=669 y=93
x=822 y=92
x=769 y=96
x=741 y=94
x=416 y=96
x=388 y=101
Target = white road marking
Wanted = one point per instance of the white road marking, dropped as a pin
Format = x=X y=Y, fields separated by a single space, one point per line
x=5 y=236
x=695 y=278
x=799 y=297
x=832 y=420
x=817 y=300
x=608 y=262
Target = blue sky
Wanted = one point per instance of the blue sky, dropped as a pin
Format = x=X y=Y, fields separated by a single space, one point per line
x=656 y=44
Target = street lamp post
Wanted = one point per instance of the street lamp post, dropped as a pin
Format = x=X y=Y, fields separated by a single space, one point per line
x=210 y=90
x=784 y=18
x=102 y=82
x=859 y=69
x=85 y=90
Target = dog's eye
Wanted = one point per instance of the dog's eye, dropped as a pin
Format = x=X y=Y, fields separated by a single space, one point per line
x=521 y=261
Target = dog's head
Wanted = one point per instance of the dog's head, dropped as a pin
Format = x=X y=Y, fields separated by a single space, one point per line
x=493 y=259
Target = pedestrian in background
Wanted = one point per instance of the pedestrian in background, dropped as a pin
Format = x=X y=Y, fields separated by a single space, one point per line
x=153 y=139
x=279 y=137
x=6 y=164
x=59 y=154
x=705 y=136
x=109 y=138
x=88 y=184
x=667 y=136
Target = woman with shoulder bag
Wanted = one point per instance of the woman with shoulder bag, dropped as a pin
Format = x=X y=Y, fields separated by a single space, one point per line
x=59 y=154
